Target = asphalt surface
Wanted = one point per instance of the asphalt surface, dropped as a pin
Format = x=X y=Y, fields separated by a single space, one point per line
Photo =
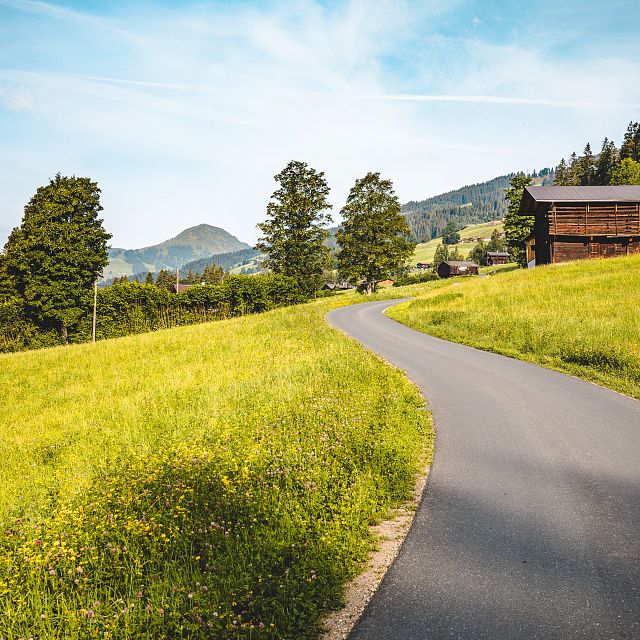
x=530 y=523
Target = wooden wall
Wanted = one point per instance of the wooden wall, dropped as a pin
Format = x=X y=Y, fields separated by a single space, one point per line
x=594 y=219
x=578 y=248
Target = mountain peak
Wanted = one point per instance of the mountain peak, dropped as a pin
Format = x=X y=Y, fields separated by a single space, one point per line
x=197 y=242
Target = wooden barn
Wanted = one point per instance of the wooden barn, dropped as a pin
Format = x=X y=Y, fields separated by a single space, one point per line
x=450 y=268
x=572 y=223
x=497 y=257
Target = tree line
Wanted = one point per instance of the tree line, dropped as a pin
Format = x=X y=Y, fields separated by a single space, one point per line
x=51 y=262
x=612 y=166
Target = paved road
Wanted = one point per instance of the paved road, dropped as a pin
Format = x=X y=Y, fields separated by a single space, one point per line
x=530 y=524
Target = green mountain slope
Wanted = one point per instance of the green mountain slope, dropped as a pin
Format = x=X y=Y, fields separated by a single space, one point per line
x=194 y=243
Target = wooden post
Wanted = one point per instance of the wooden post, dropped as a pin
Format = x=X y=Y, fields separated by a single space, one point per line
x=177 y=280
x=95 y=306
x=586 y=219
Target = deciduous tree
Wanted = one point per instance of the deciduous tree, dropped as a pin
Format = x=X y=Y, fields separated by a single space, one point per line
x=373 y=240
x=294 y=232
x=58 y=252
x=626 y=172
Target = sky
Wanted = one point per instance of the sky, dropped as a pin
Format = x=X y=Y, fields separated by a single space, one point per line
x=184 y=111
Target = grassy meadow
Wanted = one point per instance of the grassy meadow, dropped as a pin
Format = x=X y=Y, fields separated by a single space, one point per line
x=215 y=480
x=581 y=317
x=425 y=251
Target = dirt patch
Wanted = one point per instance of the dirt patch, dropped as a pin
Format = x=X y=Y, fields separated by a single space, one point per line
x=390 y=535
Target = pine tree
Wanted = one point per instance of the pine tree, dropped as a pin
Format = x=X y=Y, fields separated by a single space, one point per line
x=517 y=227
x=572 y=176
x=149 y=278
x=631 y=143
x=606 y=162
x=166 y=280
x=58 y=252
x=373 y=240
x=294 y=232
x=586 y=167
x=213 y=274
x=562 y=175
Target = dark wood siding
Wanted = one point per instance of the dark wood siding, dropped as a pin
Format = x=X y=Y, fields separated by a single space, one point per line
x=593 y=219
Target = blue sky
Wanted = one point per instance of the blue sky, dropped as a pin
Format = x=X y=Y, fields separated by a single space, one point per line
x=184 y=111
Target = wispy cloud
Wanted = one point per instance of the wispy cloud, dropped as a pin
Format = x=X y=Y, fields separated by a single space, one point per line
x=51 y=10
x=184 y=112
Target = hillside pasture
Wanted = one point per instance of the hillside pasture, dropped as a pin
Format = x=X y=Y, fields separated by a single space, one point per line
x=215 y=480
x=425 y=251
x=579 y=317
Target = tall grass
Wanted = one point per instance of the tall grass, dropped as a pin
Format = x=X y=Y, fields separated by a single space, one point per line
x=214 y=480
x=582 y=317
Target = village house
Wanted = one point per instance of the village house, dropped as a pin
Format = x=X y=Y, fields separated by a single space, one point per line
x=422 y=266
x=450 y=268
x=497 y=257
x=572 y=223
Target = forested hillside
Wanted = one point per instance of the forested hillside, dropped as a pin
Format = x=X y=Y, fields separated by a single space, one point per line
x=226 y=261
x=471 y=204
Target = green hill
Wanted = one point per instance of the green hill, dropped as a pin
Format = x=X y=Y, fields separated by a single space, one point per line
x=194 y=243
x=578 y=317
x=425 y=251
x=209 y=481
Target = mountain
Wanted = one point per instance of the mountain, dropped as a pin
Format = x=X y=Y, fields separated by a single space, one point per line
x=194 y=243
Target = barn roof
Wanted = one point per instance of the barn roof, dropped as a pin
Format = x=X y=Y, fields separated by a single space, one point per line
x=460 y=263
x=505 y=254
x=620 y=193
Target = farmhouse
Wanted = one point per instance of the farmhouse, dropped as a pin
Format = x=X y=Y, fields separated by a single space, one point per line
x=450 y=268
x=497 y=257
x=179 y=288
x=423 y=266
x=572 y=223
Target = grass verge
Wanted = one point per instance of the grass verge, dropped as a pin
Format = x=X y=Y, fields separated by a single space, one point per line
x=215 y=480
x=580 y=318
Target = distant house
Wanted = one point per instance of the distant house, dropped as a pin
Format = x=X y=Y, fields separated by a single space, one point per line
x=571 y=223
x=384 y=283
x=336 y=286
x=497 y=257
x=450 y=268
x=423 y=265
x=179 y=288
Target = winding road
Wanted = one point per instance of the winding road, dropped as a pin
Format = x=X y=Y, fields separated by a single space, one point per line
x=530 y=523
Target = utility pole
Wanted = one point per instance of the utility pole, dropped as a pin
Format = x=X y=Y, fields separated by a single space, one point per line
x=177 y=280
x=95 y=305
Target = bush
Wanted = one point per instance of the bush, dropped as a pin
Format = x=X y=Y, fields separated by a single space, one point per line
x=130 y=307
x=416 y=278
